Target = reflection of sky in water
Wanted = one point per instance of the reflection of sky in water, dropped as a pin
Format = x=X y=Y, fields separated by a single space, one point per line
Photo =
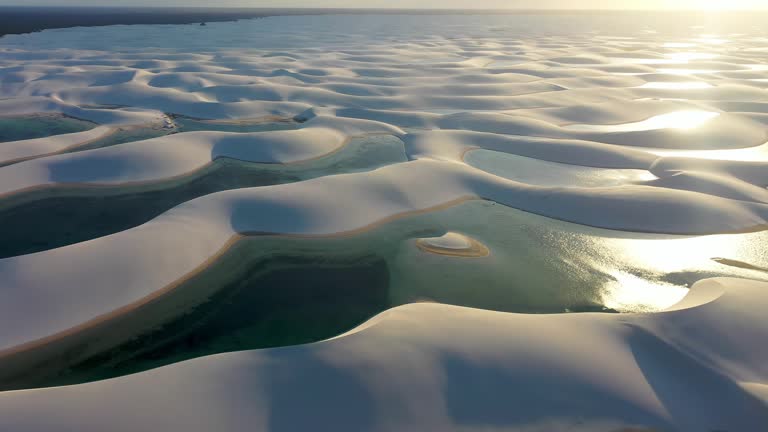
x=679 y=45
x=645 y=61
x=543 y=173
x=535 y=259
x=539 y=264
x=711 y=40
x=673 y=120
x=628 y=271
x=675 y=71
x=689 y=85
x=650 y=273
x=633 y=293
x=685 y=57
x=675 y=256
x=676 y=62
x=692 y=253
x=669 y=58
x=758 y=153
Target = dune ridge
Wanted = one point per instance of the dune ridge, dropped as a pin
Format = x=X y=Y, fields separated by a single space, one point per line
x=621 y=129
x=415 y=365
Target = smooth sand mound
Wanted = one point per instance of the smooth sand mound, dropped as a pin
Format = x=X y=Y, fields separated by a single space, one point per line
x=179 y=154
x=597 y=94
x=436 y=367
x=105 y=270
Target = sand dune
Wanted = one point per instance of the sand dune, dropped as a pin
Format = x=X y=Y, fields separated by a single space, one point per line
x=659 y=132
x=441 y=367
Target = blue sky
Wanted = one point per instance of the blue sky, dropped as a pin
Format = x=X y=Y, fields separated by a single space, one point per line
x=495 y=4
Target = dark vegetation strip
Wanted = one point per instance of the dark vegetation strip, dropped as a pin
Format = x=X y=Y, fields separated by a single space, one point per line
x=27 y=19
x=18 y=20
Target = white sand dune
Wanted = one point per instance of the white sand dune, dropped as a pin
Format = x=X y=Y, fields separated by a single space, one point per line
x=175 y=155
x=109 y=117
x=19 y=150
x=123 y=270
x=660 y=132
x=713 y=184
x=452 y=145
x=436 y=367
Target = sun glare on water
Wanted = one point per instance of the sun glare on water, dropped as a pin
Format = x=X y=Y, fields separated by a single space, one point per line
x=630 y=293
x=682 y=120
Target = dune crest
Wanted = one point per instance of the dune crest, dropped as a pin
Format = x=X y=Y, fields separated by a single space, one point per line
x=414 y=158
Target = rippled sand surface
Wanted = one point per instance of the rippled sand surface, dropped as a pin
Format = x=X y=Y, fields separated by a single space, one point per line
x=512 y=222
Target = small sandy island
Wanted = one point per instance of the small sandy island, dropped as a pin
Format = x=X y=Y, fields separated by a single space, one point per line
x=453 y=244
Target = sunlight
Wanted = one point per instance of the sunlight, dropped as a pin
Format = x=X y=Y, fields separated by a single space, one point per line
x=674 y=71
x=690 y=85
x=711 y=40
x=715 y=5
x=630 y=293
x=759 y=153
x=675 y=120
x=685 y=57
x=684 y=119
x=691 y=253
x=679 y=45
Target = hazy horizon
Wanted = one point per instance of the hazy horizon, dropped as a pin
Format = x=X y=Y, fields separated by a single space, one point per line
x=420 y=4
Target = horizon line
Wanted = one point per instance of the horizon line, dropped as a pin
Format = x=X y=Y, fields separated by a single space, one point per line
x=363 y=8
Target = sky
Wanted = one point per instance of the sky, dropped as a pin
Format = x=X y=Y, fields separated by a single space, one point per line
x=443 y=4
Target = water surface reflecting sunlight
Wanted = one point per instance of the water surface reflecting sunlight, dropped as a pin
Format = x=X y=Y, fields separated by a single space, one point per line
x=690 y=85
x=688 y=56
x=676 y=71
x=674 y=120
x=630 y=292
x=553 y=174
x=752 y=154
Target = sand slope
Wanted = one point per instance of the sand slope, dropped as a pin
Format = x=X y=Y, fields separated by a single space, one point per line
x=591 y=120
x=434 y=367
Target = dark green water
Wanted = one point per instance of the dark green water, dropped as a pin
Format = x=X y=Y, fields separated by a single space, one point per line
x=56 y=221
x=52 y=218
x=270 y=291
x=40 y=126
x=278 y=302
x=185 y=124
